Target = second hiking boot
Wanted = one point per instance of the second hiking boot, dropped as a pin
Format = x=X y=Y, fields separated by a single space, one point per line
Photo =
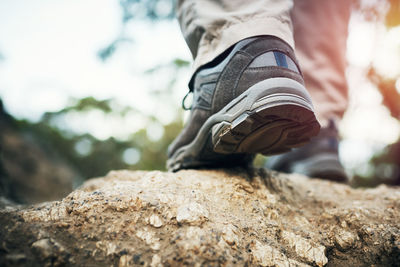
x=319 y=158
x=249 y=100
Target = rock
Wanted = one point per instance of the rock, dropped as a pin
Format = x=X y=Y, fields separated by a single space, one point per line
x=43 y=248
x=124 y=261
x=149 y=237
x=205 y=217
x=15 y=259
x=303 y=248
x=49 y=251
x=230 y=236
x=192 y=213
x=266 y=255
x=344 y=239
x=155 y=221
x=155 y=261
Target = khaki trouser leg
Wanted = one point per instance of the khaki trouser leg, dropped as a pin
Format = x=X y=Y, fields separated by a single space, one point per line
x=320 y=33
x=212 y=26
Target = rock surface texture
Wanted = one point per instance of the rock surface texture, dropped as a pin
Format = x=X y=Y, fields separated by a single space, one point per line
x=206 y=218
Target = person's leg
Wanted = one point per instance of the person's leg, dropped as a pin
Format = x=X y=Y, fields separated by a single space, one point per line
x=320 y=32
x=321 y=50
x=212 y=26
x=249 y=94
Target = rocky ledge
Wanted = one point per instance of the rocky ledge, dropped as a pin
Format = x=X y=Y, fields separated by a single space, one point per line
x=207 y=218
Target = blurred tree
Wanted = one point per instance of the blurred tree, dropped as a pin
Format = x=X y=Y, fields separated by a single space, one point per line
x=30 y=170
x=150 y=10
x=4 y=186
x=93 y=157
x=387 y=88
x=89 y=156
x=384 y=166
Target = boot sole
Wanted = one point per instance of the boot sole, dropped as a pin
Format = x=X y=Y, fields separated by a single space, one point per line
x=271 y=117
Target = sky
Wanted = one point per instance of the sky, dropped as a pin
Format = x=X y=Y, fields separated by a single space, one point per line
x=50 y=55
x=50 y=49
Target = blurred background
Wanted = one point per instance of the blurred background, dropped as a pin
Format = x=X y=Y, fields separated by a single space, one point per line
x=91 y=86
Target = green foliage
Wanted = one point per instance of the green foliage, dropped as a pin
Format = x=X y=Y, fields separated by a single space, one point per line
x=384 y=168
x=92 y=157
x=100 y=156
x=106 y=52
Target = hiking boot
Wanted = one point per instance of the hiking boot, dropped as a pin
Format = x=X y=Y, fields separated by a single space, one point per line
x=249 y=100
x=319 y=158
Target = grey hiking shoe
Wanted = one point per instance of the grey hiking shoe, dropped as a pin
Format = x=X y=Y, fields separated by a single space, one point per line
x=319 y=158
x=249 y=100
